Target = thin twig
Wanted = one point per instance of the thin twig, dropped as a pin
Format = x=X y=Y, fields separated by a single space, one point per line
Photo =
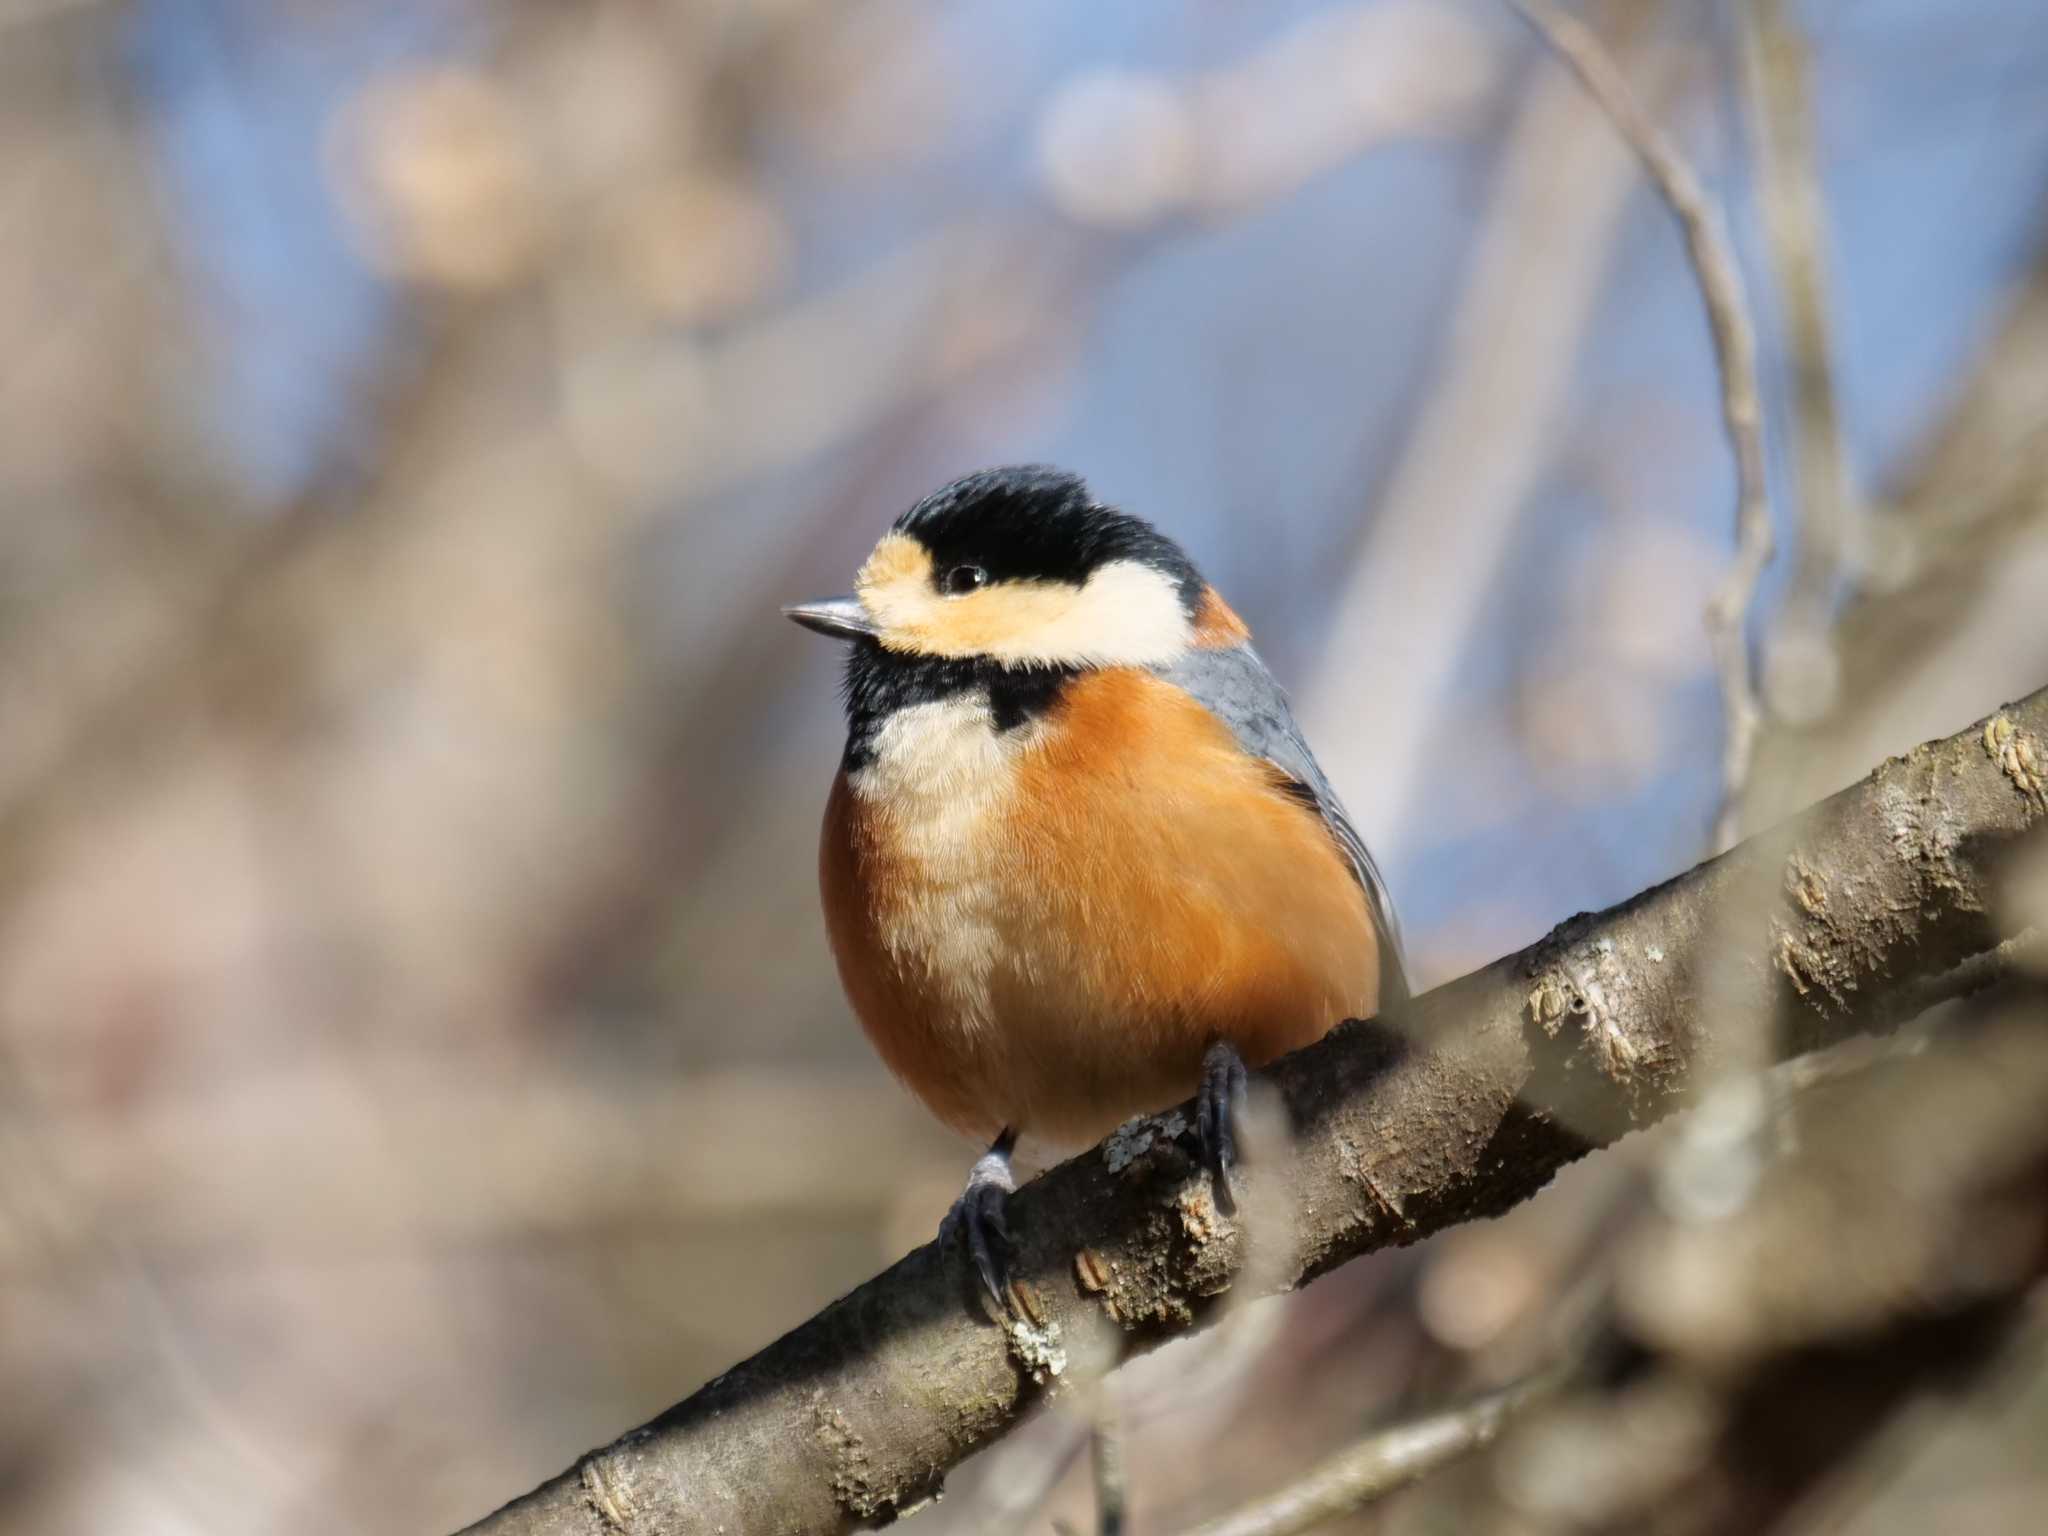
x=1720 y=282
x=1106 y=1454
x=1801 y=673
x=1383 y=1463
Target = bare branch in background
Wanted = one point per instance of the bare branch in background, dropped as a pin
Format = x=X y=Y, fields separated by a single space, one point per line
x=1955 y=557
x=1801 y=667
x=1463 y=1106
x=1106 y=1455
x=1720 y=280
x=1383 y=1463
x=1887 y=1262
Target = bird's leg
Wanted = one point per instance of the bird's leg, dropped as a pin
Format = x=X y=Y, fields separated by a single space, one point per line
x=979 y=1213
x=1218 y=1103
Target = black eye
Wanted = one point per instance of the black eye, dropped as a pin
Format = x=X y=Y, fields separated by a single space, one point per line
x=962 y=578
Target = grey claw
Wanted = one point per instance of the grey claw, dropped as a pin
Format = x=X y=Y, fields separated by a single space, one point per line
x=980 y=1213
x=988 y=1240
x=1218 y=1104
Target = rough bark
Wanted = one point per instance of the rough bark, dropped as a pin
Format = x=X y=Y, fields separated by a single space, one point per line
x=1465 y=1104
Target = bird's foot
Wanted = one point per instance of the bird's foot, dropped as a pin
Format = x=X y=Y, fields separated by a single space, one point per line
x=979 y=1215
x=1218 y=1104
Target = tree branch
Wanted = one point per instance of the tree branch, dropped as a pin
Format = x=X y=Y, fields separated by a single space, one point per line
x=1461 y=1106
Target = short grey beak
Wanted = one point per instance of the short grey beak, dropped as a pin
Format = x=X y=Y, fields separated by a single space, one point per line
x=842 y=618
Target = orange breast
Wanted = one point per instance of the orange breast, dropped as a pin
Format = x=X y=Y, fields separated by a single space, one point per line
x=1148 y=888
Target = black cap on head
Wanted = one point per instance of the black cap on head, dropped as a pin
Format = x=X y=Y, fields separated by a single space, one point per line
x=1034 y=522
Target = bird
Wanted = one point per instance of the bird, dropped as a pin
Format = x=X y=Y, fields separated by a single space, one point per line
x=1078 y=858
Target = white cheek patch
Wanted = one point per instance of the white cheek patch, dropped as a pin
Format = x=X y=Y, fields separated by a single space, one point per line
x=1125 y=615
x=940 y=778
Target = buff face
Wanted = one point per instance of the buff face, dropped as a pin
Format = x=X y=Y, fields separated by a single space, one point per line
x=1122 y=613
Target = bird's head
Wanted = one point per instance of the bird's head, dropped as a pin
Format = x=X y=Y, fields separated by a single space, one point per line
x=1020 y=567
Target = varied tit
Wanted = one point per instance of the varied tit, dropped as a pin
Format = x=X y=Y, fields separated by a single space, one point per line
x=1078 y=859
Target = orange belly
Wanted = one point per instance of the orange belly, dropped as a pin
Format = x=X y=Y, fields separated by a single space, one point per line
x=1050 y=936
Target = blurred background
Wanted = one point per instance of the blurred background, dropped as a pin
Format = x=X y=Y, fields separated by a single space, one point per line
x=419 y=1055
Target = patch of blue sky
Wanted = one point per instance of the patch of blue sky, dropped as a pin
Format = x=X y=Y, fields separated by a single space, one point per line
x=242 y=96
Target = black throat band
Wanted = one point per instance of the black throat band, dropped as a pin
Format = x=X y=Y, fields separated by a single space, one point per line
x=880 y=682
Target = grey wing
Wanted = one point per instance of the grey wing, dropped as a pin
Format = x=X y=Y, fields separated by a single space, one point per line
x=1234 y=686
